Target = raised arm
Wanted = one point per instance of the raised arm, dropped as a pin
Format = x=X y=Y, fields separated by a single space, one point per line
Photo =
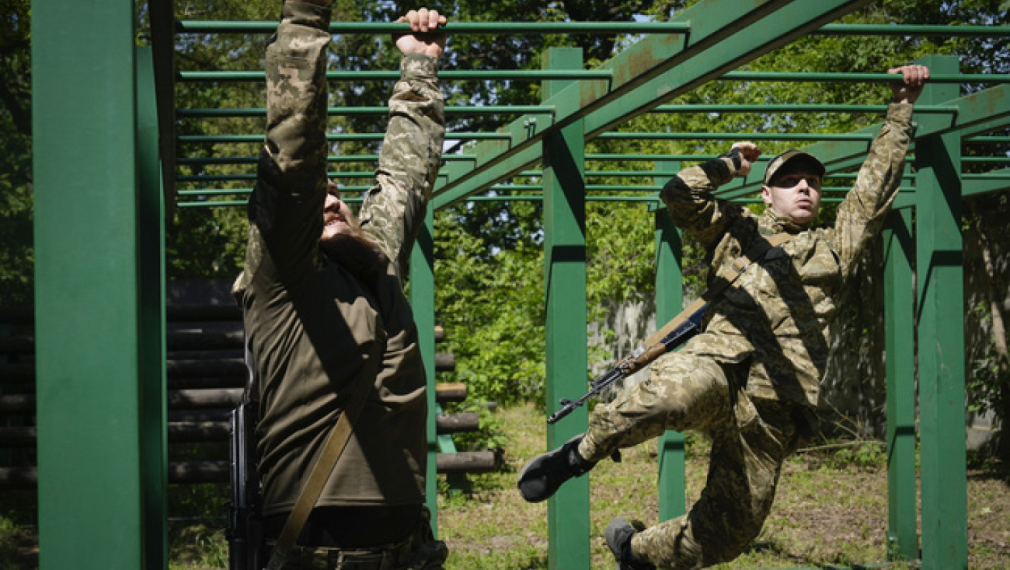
x=861 y=216
x=689 y=199
x=285 y=209
x=394 y=208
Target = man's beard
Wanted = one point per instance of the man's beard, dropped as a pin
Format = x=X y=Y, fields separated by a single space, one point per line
x=357 y=254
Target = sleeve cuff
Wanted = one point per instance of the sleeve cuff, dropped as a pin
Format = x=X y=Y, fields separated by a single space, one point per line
x=900 y=112
x=306 y=14
x=418 y=66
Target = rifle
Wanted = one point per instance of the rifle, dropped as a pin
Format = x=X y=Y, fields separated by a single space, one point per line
x=671 y=336
x=677 y=331
x=245 y=522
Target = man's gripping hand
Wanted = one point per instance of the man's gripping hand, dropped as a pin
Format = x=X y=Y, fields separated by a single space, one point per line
x=749 y=153
x=425 y=40
x=913 y=78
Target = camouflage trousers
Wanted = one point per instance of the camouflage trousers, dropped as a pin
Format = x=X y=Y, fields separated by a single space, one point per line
x=750 y=440
x=419 y=551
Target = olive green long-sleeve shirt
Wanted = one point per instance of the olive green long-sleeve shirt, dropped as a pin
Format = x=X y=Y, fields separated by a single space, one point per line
x=316 y=329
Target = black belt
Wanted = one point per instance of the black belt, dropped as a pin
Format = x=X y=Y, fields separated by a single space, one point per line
x=350 y=527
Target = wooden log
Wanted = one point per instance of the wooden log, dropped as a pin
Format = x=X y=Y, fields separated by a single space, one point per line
x=17 y=436
x=221 y=367
x=205 y=340
x=195 y=399
x=457 y=423
x=466 y=462
x=19 y=477
x=445 y=362
x=188 y=472
x=199 y=472
x=450 y=392
x=18 y=403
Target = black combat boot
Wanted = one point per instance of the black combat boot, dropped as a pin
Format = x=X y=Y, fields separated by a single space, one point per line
x=619 y=533
x=544 y=474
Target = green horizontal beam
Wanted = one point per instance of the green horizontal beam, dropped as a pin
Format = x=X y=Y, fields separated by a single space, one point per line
x=975 y=184
x=790 y=108
x=197 y=161
x=526 y=109
x=724 y=35
x=911 y=30
x=377 y=110
x=532 y=28
x=836 y=77
x=598 y=74
x=738 y=136
x=985 y=159
x=252 y=176
x=353 y=75
x=337 y=137
x=988 y=140
x=451 y=28
x=245 y=191
x=983 y=111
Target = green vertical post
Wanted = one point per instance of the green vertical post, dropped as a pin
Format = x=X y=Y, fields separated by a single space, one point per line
x=902 y=533
x=939 y=271
x=151 y=239
x=422 y=301
x=669 y=302
x=567 y=357
x=86 y=285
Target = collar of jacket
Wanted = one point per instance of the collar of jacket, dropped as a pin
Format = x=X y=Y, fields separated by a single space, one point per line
x=779 y=223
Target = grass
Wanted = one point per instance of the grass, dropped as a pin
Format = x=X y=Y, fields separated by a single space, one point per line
x=831 y=508
x=831 y=512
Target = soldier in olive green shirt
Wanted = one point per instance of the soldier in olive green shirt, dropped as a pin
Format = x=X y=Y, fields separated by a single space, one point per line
x=325 y=313
x=750 y=379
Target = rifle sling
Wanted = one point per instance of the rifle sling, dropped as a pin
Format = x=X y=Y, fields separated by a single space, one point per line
x=726 y=279
x=333 y=447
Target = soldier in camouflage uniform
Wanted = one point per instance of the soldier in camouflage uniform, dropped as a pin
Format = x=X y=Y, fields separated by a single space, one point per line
x=324 y=308
x=750 y=379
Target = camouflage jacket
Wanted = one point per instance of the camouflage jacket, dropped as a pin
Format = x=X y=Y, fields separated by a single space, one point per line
x=776 y=317
x=316 y=329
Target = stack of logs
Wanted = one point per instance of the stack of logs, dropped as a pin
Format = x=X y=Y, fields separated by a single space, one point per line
x=206 y=375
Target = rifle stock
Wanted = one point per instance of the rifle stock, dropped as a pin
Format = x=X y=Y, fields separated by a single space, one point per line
x=671 y=336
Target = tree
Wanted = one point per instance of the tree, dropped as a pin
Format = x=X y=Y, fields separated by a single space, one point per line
x=16 y=251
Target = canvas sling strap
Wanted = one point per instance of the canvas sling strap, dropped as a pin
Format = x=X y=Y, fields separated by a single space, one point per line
x=726 y=276
x=333 y=447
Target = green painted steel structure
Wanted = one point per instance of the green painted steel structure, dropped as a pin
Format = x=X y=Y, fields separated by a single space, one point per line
x=669 y=302
x=100 y=277
x=98 y=312
x=566 y=355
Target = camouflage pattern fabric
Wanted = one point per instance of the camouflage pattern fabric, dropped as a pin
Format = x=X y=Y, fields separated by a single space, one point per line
x=408 y=162
x=750 y=380
x=777 y=315
x=420 y=551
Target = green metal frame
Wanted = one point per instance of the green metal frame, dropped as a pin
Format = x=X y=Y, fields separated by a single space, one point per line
x=100 y=277
x=99 y=304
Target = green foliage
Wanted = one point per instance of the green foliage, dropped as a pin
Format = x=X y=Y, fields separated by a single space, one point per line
x=16 y=249
x=990 y=375
x=197 y=546
x=863 y=454
x=489 y=436
x=490 y=304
